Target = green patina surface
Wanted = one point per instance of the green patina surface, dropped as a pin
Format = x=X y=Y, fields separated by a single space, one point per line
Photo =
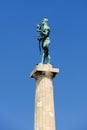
x=44 y=41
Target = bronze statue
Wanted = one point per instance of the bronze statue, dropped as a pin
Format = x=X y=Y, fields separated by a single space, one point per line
x=44 y=31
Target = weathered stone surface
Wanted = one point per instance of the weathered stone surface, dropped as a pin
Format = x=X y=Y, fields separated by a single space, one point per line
x=44 y=70
x=44 y=101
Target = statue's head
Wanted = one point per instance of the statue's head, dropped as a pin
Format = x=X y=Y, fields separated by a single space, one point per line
x=44 y=21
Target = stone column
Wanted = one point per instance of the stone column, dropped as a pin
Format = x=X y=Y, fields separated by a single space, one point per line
x=44 y=101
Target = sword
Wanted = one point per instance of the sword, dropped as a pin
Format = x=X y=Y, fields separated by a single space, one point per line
x=39 y=47
x=39 y=39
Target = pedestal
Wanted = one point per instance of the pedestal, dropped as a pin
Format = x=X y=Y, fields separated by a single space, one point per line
x=44 y=101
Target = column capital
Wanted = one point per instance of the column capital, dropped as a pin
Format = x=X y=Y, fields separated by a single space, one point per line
x=44 y=70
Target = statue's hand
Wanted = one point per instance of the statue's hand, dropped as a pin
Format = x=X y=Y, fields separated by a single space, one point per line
x=39 y=38
x=38 y=30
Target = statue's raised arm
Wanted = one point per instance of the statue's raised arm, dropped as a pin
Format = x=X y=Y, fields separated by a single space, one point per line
x=43 y=38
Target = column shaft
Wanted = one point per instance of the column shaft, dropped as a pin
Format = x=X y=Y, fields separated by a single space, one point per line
x=44 y=105
x=44 y=101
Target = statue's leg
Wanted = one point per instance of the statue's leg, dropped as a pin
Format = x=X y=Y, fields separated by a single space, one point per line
x=43 y=58
x=46 y=42
x=47 y=55
x=48 y=59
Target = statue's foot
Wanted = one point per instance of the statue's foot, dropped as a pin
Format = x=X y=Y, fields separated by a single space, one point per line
x=48 y=63
x=40 y=63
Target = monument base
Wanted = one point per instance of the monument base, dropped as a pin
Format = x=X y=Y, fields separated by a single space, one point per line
x=44 y=101
x=44 y=70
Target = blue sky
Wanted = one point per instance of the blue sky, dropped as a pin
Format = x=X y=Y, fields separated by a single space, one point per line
x=19 y=54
